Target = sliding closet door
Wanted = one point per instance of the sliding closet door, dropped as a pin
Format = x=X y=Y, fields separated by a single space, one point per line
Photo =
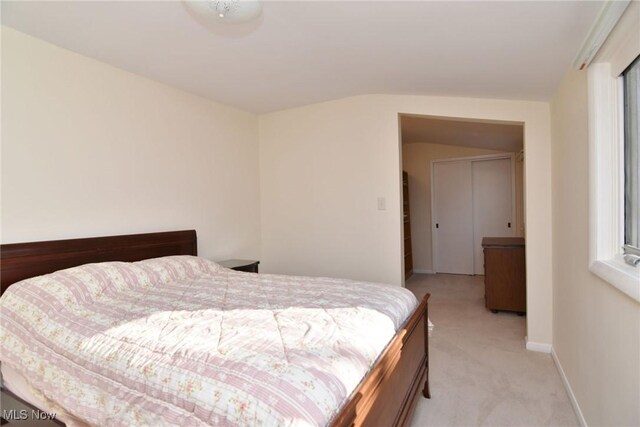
x=492 y=204
x=452 y=217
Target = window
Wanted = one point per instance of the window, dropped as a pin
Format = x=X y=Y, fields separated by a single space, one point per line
x=613 y=111
x=631 y=118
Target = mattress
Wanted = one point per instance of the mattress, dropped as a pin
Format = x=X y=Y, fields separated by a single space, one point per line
x=183 y=341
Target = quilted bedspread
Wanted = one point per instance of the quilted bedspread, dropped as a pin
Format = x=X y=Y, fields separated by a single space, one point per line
x=182 y=341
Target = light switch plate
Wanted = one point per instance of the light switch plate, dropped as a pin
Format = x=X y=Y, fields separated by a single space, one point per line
x=382 y=204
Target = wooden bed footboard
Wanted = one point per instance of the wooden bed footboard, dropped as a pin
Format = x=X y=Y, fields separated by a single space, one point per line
x=387 y=395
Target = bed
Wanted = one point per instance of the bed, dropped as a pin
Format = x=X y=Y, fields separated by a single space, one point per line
x=375 y=386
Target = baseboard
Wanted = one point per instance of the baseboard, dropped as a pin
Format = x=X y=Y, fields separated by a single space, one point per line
x=538 y=346
x=567 y=387
x=421 y=271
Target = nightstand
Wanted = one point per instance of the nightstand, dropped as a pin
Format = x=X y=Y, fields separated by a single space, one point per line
x=248 y=265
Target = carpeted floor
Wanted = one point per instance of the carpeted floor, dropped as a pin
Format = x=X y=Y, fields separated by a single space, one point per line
x=481 y=373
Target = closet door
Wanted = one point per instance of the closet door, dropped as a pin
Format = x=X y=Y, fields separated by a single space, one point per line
x=452 y=223
x=492 y=204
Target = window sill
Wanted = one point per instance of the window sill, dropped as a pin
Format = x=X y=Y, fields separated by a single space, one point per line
x=619 y=274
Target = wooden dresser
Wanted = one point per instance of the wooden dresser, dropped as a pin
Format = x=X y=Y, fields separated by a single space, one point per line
x=408 y=256
x=504 y=269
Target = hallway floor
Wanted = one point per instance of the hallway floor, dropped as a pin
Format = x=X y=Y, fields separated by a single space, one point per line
x=480 y=371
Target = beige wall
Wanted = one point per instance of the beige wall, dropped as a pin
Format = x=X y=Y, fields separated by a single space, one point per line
x=596 y=328
x=88 y=149
x=323 y=166
x=416 y=160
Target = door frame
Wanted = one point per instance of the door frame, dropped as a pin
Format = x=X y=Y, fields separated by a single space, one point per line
x=470 y=159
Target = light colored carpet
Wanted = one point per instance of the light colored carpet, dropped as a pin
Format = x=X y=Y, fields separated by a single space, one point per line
x=480 y=372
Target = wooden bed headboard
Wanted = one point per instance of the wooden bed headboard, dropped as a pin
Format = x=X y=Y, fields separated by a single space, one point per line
x=19 y=261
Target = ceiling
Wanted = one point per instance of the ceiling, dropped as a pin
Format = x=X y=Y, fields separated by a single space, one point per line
x=508 y=137
x=305 y=52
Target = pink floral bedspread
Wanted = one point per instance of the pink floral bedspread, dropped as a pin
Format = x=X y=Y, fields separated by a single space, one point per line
x=183 y=341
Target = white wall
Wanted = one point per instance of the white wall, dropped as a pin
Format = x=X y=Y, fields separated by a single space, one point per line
x=416 y=160
x=88 y=149
x=596 y=328
x=323 y=166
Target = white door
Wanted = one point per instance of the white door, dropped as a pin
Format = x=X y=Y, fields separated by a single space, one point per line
x=492 y=204
x=452 y=223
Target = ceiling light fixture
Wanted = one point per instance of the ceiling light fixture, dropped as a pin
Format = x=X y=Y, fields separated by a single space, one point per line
x=226 y=11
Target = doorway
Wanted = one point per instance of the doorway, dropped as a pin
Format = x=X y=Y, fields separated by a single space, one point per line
x=425 y=139
x=472 y=198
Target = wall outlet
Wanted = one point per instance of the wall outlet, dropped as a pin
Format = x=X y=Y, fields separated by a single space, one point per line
x=382 y=204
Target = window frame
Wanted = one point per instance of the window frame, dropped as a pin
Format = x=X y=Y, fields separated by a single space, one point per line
x=627 y=247
x=606 y=175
